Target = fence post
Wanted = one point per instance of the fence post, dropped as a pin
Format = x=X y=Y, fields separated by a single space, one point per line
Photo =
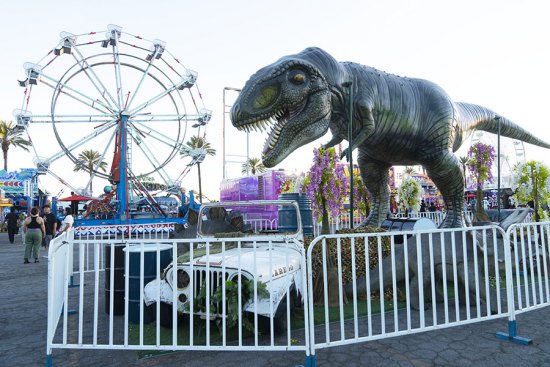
x=511 y=335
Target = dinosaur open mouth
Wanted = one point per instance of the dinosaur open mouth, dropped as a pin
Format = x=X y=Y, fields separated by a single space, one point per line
x=274 y=123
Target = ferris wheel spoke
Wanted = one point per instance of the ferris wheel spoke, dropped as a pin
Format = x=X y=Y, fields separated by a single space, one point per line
x=100 y=160
x=60 y=119
x=146 y=131
x=118 y=77
x=32 y=144
x=147 y=153
x=57 y=177
x=82 y=141
x=138 y=87
x=153 y=100
x=86 y=100
x=94 y=79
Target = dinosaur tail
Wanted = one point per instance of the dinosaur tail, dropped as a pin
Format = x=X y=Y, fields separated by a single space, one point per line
x=387 y=274
x=476 y=117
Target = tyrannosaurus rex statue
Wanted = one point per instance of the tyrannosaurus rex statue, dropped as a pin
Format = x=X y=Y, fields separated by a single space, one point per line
x=396 y=121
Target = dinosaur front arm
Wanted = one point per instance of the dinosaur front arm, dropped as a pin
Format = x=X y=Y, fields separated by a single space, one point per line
x=333 y=141
x=366 y=130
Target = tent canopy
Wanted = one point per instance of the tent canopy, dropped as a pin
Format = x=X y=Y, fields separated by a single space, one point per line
x=76 y=198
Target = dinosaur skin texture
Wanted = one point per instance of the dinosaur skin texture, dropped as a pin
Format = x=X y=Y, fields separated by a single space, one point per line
x=396 y=121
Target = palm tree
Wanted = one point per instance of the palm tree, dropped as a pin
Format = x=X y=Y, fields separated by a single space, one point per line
x=409 y=170
x=90 y=160
x=197 y=148
x=253 y=165
x=11 y=135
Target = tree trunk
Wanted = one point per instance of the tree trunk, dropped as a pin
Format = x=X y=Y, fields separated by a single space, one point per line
x=536 y=199
x=480 y=215
x=325 y=228
x=200 y=184
x=5 y=151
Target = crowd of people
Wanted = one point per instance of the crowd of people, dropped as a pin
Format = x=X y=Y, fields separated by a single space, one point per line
x=38 y=229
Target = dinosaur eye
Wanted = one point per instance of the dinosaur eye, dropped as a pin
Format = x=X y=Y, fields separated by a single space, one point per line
x=297 y=77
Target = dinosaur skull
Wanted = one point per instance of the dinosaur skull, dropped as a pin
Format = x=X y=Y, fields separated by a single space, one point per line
x=291 y=100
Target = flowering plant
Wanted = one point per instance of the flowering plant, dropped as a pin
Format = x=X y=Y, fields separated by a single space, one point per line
x=531 y=182
x=326 y=186
x=360 y=196
x=480 y=161
x=410 y=194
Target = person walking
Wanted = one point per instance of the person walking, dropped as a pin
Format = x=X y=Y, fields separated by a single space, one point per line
x=34 y=230
x=50 y=222
x=11 y=219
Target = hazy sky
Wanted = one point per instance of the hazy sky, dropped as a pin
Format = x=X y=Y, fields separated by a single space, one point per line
x=495 y=53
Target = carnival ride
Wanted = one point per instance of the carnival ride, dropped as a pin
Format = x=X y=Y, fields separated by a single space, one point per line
x=125 y=97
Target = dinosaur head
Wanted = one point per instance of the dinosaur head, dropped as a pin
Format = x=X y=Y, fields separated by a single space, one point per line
x=291 y=99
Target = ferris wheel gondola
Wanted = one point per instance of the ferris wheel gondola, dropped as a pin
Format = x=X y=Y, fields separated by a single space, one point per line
x=125 y=97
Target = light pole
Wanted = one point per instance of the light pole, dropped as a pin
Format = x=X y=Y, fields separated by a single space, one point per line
x=224 y=152
x=498 y=167
x=349 y=85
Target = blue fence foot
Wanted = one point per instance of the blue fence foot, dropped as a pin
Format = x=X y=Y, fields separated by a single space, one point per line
x=310 y=361
x=69 y=312
x=72 y=284
x=49 y=360
x=512 y=335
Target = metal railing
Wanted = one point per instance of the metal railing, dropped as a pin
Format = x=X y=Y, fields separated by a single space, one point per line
x=429 y=280
x=447 y=271
x=262 y=275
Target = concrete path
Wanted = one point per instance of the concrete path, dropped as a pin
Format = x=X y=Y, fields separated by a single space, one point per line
x=23 y=336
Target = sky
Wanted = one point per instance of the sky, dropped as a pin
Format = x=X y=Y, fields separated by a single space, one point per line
x=494 y=53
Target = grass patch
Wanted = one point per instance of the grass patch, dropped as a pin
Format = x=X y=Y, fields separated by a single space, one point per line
x=199 y=327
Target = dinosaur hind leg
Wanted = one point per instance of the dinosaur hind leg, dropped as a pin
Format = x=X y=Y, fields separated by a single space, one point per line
x=447 y=175
x=376 y=178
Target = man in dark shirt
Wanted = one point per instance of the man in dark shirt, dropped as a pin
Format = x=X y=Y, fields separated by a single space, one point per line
x=50 y=222
x=12 y=219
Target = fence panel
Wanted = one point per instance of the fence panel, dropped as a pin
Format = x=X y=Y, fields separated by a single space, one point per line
x=530 y=264
x=214 y=278
x=59 y=255
x=435 y=279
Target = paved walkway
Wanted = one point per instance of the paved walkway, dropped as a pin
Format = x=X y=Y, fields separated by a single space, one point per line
x=23 y=336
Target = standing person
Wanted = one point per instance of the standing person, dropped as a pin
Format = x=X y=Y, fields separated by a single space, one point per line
x=74 y=204
x=67 y=222
x=11 y=219
x=34 y=230
x=50 y=222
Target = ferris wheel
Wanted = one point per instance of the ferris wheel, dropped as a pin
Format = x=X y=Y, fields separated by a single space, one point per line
x=126 y=98
x=512 y=152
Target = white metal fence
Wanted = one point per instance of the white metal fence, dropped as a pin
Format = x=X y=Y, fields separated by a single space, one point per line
x=263 y=275
x=431 y=280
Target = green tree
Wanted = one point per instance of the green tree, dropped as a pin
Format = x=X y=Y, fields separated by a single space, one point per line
x=532 y=184
x=197 y=148
x=10 y=135
x=409 y=171
x=253 y=165
x=89 y=161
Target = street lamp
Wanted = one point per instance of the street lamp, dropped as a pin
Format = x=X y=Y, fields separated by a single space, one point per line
x=498 y=167
x=349 y=85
